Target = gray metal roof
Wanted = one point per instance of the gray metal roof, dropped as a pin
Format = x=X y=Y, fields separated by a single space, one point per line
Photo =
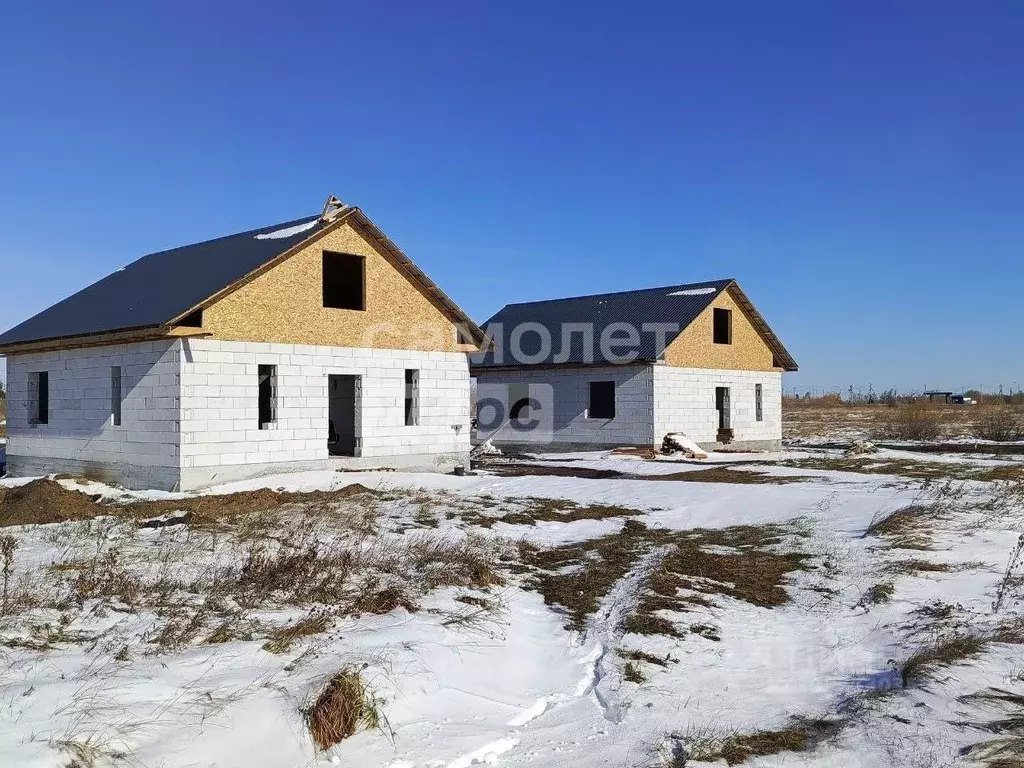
x=161 y=286
x=677 y=305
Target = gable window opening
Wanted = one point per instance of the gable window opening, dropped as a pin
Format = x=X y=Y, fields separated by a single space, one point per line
x=723 y=326
x=344 y=281
x=115 y=395
x=602 y=400
x=39 y=398
x=267 y=376
x=758 y=402
x=412 y=397
x=192 y=319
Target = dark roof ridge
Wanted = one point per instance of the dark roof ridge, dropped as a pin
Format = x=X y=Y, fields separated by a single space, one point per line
x=699 y=284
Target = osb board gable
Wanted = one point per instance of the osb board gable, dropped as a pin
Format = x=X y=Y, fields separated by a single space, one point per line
x=285 y=305
x=695 y=347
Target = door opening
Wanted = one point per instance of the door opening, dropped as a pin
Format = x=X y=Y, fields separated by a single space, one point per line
x=342 y=399
x=722 y=405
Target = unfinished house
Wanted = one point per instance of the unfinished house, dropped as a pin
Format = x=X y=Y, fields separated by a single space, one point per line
x=626 y=369
x=306 y=345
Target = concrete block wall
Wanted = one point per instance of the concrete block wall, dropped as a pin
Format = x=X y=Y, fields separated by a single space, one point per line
x=221 y=438
x=684 y=401
x=80 y=436
x=564 y=396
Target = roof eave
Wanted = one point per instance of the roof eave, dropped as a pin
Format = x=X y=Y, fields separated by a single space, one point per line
x=101 y=338
x=778 y=348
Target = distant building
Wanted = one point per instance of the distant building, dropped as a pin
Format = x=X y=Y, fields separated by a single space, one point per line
x=629 y=368
x=948 y=398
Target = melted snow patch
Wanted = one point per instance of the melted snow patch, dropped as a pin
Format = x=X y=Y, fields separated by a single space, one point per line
x=280 y=234
x=694 y=292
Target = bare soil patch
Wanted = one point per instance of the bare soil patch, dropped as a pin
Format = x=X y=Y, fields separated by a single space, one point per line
x=917 y=470
x=46 y=501
x=229 y=507
x=562 y=511
x=710 y=475
x=727 y=475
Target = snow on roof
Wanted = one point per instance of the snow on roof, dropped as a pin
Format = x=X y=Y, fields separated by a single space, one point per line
x=280 y=234
x=695 y=291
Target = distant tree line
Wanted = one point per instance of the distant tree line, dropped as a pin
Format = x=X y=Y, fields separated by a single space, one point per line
x=894 y=397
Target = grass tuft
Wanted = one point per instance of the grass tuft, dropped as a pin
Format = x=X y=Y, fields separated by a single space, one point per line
x=801 y=735
x=907 y=527
x=878 y=594
x=345 y=705
x=281 y=639
x=923 y=665
x=631 y=673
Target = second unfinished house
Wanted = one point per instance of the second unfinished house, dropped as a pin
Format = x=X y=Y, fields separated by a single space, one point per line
x=626 y=369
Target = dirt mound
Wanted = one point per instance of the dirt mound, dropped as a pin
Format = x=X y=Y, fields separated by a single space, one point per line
x=46 y=501
x=229 y=505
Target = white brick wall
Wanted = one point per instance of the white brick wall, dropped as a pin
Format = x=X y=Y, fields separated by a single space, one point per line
x=684 y=401
x=80 y=427
x=189 y=411
x=650 y=401
x=220 y=391
x=568 y=391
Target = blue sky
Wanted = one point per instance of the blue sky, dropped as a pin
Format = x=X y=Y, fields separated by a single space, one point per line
x=858 y=167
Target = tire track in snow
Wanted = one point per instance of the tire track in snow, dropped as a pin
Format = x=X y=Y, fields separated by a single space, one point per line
x=606 y=626
x=605 y=629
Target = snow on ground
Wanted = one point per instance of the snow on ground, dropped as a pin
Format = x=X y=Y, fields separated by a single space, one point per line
x=512 y=686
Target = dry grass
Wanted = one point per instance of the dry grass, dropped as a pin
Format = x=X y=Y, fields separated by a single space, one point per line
x=912 y=421
x=281 y=639
x=8 y=546
x=908 y=527
x=1011 y=575
x=802 y=735
x=913 y=566
x=344 y=706
x=561 y=511
x=106 y=577
x=648 y=658
x=727 y=475
x=922 y=666
x=577 y=576
x=364 y=575
x=739 y=562
x=313 y=562
x=1007 y=749
x=879 y=593
x=999 y=423
x=831 y=418
x=911 y=468
x=483 y=613
x=631 y=673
